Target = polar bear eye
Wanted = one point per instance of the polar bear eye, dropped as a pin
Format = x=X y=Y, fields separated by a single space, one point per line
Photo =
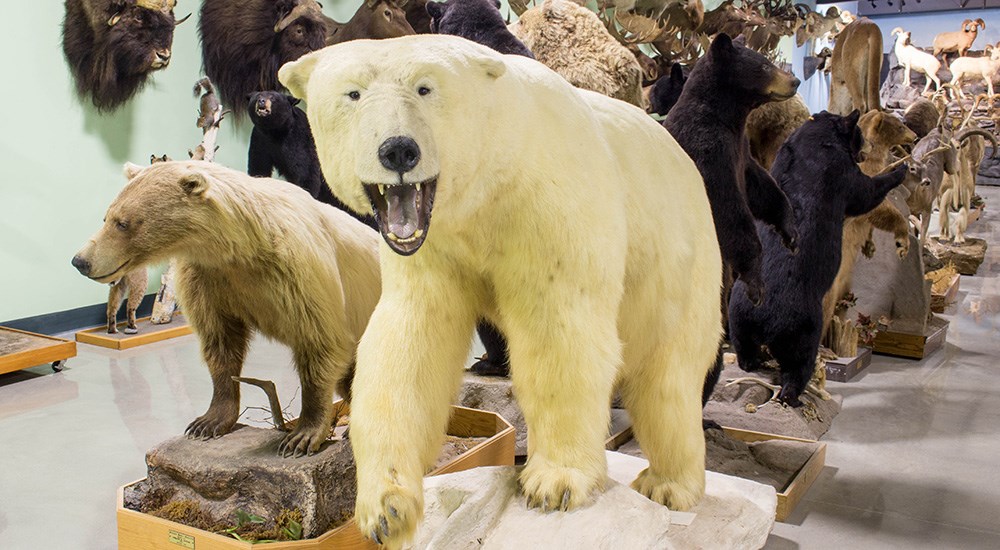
x=354 y=95
x=423 y=90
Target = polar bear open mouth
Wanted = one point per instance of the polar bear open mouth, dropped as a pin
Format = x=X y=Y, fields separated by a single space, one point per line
x=403 y=212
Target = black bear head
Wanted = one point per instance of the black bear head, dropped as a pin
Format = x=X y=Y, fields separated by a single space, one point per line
x=272 y=110
x=667 y=90
x=748 y=74
x=833 y=132
x=447 y=17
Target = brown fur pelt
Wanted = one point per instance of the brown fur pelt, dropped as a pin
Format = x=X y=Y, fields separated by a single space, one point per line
x=922 y=116
x=245 y=42
x=882 y=132
x=112 y=46
x=573 y=42
x=769 y=125
x=855 y=66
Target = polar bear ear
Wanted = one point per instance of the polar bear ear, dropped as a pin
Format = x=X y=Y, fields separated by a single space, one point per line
x=194 y=184
x=294 y=75
x=493 y=66
x=131 y=171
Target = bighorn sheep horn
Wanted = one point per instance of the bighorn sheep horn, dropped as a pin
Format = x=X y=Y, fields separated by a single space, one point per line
x=966 y=134
x=981 y=23
x=307 y=6
x=897 y=30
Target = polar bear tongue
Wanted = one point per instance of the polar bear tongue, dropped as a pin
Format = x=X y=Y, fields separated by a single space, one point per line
x=402 y=210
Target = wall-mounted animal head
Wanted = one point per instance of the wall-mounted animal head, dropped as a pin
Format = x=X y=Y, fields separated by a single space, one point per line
x=113 y=45
x=375 y=19
x=815 y=25
x=245 y=42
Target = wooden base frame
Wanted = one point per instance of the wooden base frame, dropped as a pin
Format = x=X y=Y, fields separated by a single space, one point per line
x=20 y=349
x=148 y=333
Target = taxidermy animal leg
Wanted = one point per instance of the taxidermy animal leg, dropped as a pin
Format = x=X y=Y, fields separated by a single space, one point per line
x=567 y=414
x=397 y=429
x=496 y=362
x=769 y=204
x=224 y=343
x=137 y=282
x=888 y=218
x=906 y=75
x=945 y=204
x=319 y=370
x=655 y=373
x=115 y=294
x=797 y=358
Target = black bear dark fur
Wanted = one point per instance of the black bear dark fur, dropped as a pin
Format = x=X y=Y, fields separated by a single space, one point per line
x=818 y=170
x=709 y=123
x=667 y=90
x=476 y=20
x=282 y=140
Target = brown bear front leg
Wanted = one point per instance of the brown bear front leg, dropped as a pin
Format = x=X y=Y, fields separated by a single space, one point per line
x=224 y=345
x=320 y=371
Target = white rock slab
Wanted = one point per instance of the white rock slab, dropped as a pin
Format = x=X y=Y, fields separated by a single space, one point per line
x=482 y=508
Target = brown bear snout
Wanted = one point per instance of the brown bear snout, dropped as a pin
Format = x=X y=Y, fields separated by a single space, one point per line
x=81 y=265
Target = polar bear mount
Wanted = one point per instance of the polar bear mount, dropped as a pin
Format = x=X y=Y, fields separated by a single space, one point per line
x=572 y=221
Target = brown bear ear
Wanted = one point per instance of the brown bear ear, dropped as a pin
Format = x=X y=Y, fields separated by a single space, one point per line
x=295 y=75
x=194 y=184
x=131 y=171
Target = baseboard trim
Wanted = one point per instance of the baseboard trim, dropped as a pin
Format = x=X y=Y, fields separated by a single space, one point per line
x=75 y=319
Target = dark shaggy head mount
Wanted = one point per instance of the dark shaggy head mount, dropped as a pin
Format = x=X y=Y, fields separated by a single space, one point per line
x=113 y=45
x=245 y=42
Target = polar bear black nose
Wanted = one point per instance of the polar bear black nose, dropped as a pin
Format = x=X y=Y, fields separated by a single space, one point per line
x=399 y=154
x=81 y=265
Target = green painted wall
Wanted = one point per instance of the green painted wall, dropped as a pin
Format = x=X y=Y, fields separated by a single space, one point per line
x=62 y=162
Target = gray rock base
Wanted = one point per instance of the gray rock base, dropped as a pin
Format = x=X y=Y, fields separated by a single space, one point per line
x=496 y=394
x=728 y=407
x=241 y=471
x=967 y=257
x=773 y=462
x=482 y=508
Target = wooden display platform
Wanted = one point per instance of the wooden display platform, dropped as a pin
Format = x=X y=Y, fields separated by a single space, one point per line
x=911 y=345
x=148 y=333
x=941 y=301
x=142 y=531
x=791 y=494
x=20 y=350
x=843 y=369
x=789 y=497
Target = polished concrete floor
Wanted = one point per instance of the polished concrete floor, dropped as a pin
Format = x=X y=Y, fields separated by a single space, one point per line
x=913 y=460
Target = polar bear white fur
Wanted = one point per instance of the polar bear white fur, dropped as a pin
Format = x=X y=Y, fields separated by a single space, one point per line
x=571 y=220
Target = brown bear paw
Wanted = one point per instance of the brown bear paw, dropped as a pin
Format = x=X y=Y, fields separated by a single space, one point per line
x=674 y=494
x=214 y=423
x=388 y=517
x=550 y=488
x=304 y=440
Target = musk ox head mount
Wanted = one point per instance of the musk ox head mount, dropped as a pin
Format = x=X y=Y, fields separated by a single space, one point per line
x=245 y=42
x=113 y=45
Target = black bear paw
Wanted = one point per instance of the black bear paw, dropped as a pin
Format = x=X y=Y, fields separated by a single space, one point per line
x=789 y=395
x=755 y=293
x=707 y=424
x=485 y=367
x=790 y=238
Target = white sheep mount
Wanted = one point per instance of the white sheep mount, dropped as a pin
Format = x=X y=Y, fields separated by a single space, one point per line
x=912 y=58
x=967 y=67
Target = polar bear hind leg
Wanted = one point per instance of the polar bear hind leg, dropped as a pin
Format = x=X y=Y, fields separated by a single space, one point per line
x=669 y=346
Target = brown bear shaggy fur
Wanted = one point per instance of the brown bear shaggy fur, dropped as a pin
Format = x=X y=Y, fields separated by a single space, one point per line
x=252 y=254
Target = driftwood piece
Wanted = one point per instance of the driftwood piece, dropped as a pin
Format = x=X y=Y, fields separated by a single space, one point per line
x=165 y=304
x=843 y=337
x=272 y=398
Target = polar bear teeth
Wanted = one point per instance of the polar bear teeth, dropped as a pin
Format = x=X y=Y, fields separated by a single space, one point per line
x=413 y=238
x=381 y=189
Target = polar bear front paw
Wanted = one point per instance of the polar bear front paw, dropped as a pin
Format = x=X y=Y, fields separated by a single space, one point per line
x=389 y=518
x=550 y=487
x=674 y=494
